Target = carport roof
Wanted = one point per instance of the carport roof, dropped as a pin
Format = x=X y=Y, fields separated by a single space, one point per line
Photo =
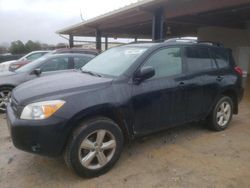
x=135 y=20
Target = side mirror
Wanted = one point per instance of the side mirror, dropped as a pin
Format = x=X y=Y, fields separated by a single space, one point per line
x=37 y=72
x=143 y=74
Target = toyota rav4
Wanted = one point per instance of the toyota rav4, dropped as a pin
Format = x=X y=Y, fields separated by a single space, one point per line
x=126 y=92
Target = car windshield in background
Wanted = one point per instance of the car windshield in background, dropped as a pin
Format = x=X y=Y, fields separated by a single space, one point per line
x=31 y=66
x=35 y=56
x=115 y=61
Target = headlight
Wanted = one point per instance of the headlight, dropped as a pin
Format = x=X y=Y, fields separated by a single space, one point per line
x=41 y=110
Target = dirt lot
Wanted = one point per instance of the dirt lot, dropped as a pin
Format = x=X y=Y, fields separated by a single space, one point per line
x=187 y=156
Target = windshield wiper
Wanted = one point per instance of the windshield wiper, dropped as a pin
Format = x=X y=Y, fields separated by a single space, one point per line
x=91 y=73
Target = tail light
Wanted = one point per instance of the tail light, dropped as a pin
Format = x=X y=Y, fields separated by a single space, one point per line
x=238 y=70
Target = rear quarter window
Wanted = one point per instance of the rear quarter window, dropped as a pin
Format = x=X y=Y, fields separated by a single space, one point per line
x=221 y=56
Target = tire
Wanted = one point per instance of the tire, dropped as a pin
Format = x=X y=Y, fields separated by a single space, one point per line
x=86 y=136
x=5 y=94
x=220 y=118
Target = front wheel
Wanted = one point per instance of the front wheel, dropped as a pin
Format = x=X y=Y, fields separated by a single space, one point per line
x=5 y=94
x=94 y=147
x=222 y=114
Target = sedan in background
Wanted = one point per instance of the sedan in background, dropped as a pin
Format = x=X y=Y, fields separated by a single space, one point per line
x=43 y=66
x=27 y=59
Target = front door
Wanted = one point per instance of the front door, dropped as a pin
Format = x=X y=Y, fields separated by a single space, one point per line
x=159 y=102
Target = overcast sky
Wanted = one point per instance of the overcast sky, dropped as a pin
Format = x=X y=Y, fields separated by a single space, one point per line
x=39 y=19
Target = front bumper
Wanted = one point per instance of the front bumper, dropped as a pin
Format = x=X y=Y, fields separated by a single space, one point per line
x=45 y=137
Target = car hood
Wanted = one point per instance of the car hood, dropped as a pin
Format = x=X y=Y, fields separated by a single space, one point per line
x=11 y=78
x=8 y=62
x=57 y=86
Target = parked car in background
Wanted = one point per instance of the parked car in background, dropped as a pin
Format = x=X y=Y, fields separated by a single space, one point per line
x=41 y=67
x=26 y=59
x=36 y=54
x=124 y=93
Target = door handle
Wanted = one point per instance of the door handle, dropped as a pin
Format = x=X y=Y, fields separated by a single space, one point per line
x=181 y=84
x=219 y=78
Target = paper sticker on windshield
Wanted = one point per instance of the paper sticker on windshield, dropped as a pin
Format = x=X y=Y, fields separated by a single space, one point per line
x=134 y=51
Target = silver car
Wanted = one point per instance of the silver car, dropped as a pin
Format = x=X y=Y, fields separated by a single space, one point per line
x=44 y=66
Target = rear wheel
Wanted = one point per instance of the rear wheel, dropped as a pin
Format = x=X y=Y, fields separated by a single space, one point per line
x=222 y=114
x=94 y=147
x=5 y=94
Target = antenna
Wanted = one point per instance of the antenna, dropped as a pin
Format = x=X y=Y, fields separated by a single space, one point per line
x=81 y=15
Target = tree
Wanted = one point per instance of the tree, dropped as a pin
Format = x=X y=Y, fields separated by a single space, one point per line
x=31 y=46
x=17 y=47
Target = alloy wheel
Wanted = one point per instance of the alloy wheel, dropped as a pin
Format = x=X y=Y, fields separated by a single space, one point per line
x=4 y=99
x=97 y=149
x=224 y=113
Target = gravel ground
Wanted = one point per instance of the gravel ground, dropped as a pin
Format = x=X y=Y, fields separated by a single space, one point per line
x=186 y=156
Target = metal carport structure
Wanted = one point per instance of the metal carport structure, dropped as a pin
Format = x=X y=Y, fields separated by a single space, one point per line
x=158 y=19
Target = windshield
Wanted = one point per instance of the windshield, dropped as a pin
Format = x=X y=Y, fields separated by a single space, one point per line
x=31 y=66
x=115 y=61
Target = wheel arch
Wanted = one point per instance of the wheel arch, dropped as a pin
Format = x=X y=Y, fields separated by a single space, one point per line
x=233 y=95
x=7 y=85
x=107 y=111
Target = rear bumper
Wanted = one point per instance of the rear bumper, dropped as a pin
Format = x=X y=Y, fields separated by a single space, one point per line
x=44 y=137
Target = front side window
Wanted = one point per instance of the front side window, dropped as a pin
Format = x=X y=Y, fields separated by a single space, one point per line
x=198 y=59
x=166 y=62
x=115 y=61
x=34 y=56
x=55 y=64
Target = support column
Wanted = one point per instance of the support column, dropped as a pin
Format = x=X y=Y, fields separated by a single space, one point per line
x=106 y=43
x=158 y=24
x=98 y=40
x=71 y=41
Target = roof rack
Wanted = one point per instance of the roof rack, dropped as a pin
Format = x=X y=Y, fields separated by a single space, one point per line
x=211 y=43
x=182 y=39
x=193 y=40
x=150 y=41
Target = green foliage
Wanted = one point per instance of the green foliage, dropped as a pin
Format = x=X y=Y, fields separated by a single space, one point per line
x=31 y=46
x=18 y=47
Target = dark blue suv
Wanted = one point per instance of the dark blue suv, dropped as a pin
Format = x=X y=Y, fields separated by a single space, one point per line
x=126 y=92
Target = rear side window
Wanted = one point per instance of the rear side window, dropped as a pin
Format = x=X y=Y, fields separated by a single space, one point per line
x=221 y=57
x=198 y=59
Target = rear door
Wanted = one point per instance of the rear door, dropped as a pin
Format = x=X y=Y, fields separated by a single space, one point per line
x=202 y=86
x=160 y=102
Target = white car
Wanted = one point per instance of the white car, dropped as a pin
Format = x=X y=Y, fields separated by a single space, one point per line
x=28 y=57
x=5 y=65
